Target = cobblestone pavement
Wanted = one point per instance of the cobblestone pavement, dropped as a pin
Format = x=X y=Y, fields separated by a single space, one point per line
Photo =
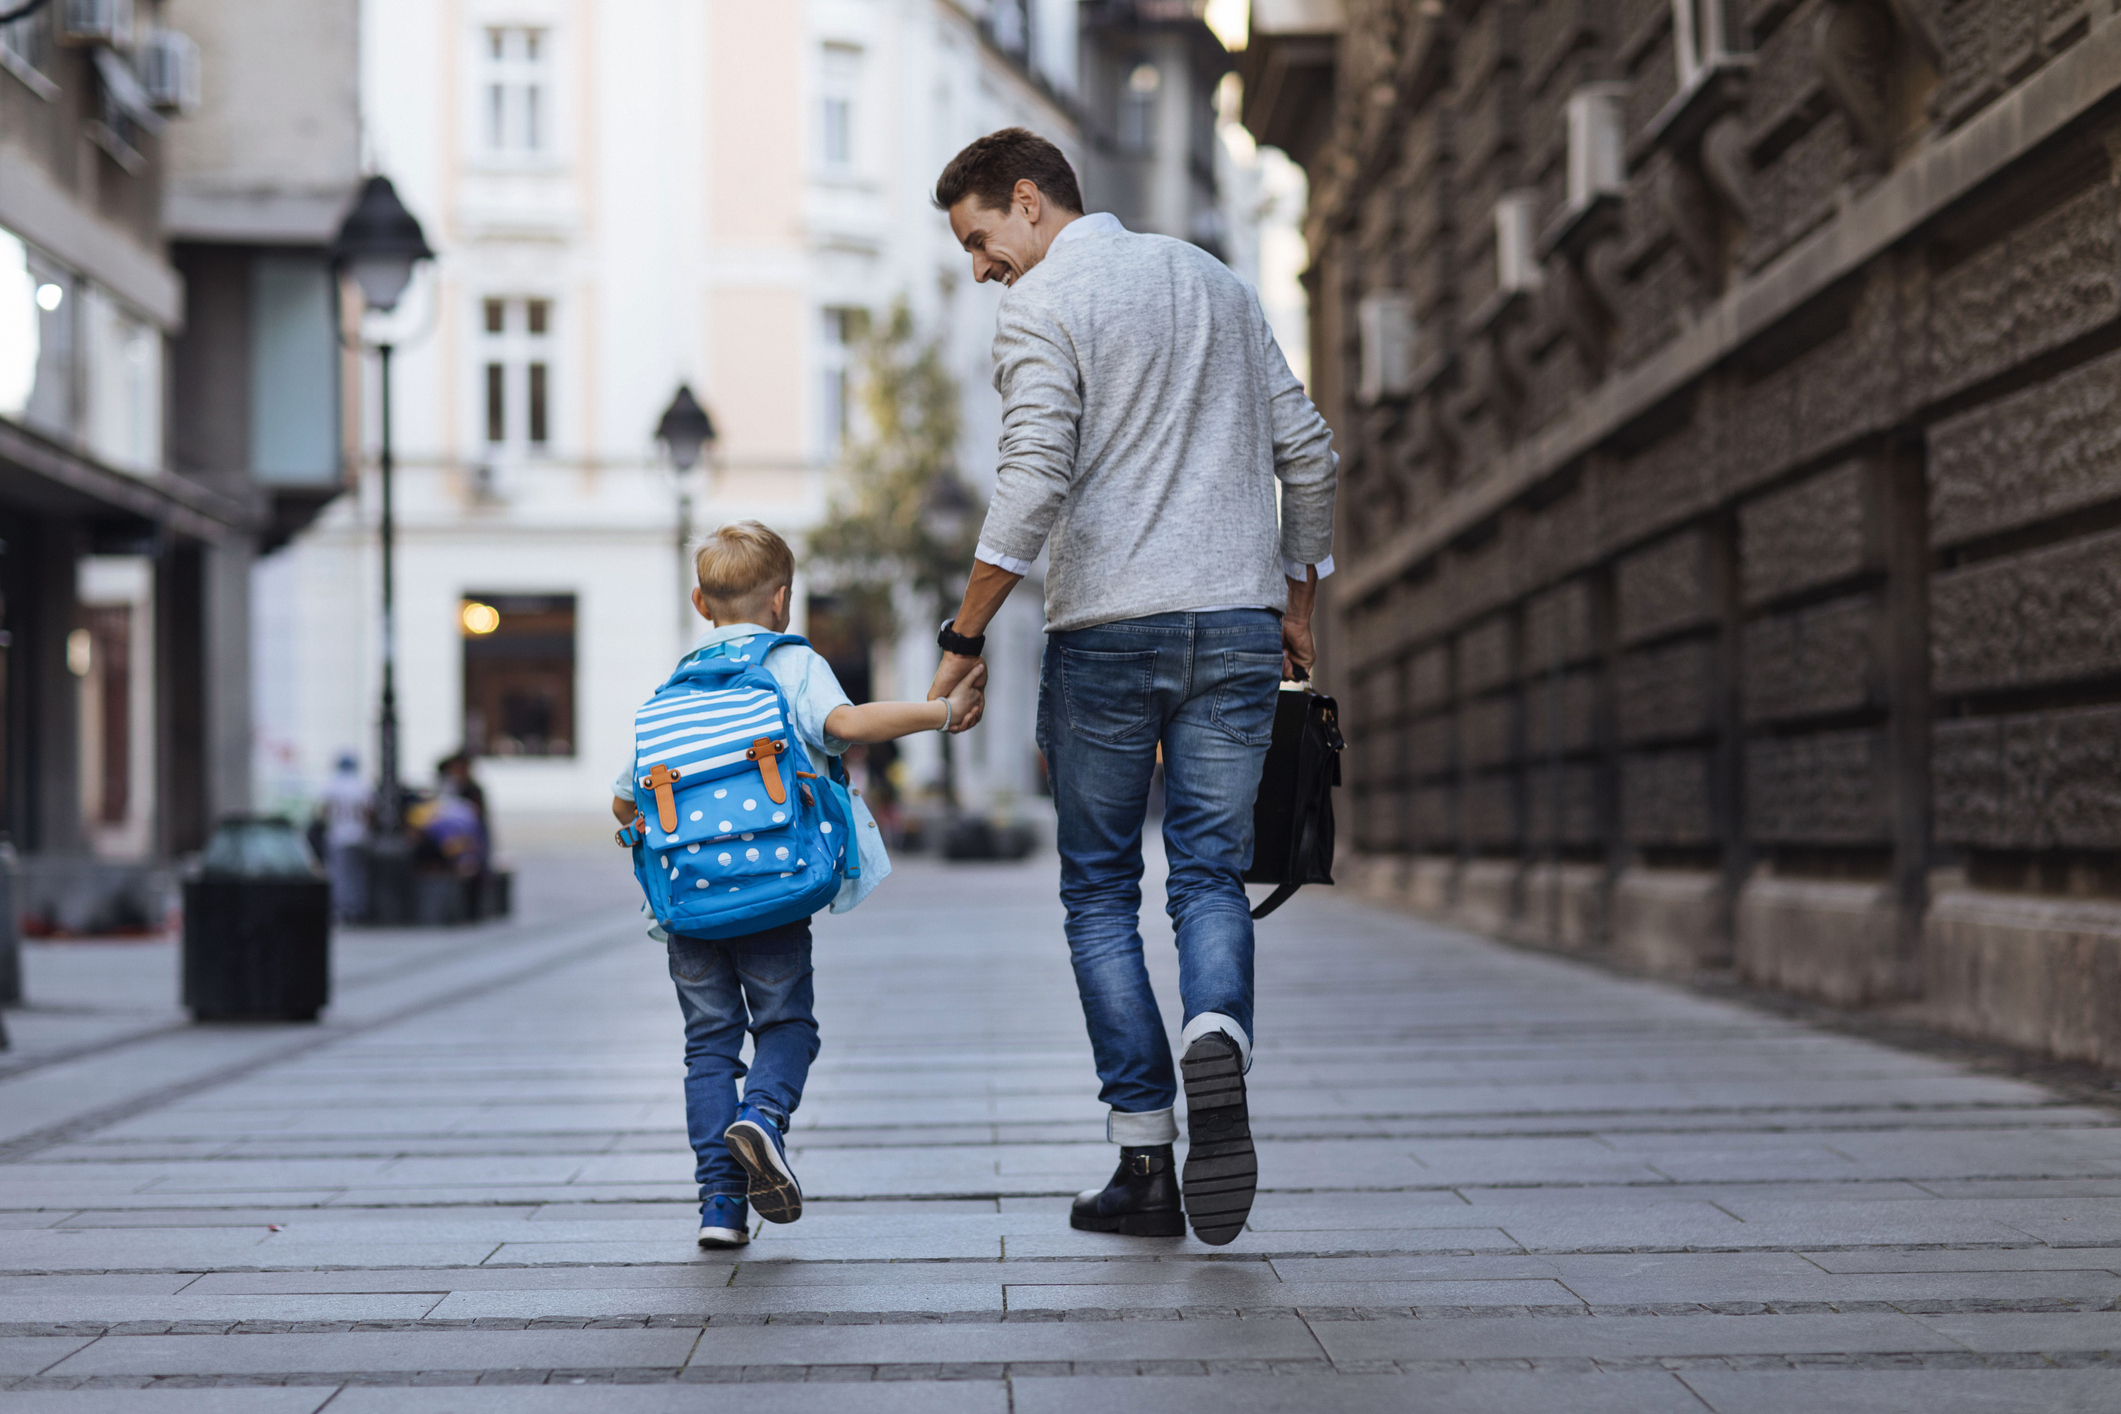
x=1491 y=1181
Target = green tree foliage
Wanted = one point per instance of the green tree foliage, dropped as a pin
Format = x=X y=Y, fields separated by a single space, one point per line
x=899 y=512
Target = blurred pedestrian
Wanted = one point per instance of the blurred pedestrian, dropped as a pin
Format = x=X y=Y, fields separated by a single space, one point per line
x=346 y=806
x=1147 y=415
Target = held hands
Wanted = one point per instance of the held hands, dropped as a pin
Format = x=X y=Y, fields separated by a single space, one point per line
x=964 y=682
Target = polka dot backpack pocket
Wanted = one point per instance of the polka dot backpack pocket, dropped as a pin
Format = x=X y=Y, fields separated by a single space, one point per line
x=742 y=834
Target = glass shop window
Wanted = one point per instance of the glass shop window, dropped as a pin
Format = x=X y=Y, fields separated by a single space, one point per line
x=519 y=668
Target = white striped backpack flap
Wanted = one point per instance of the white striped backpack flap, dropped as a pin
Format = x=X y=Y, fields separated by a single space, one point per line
x=731 y=739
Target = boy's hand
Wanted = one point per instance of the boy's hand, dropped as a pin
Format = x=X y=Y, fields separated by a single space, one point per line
x=968 y=697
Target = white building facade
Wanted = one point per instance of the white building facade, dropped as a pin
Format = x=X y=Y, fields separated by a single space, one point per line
x=626 y=195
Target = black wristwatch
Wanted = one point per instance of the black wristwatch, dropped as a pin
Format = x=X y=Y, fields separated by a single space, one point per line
x=951 y=641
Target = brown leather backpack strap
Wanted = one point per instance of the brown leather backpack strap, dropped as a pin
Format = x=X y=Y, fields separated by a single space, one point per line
x=660 y=780
x=767 y=752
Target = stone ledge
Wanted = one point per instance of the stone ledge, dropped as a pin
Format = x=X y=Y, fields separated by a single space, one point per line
x=2042 y=974
x=1830 y=941
x=2036 y=974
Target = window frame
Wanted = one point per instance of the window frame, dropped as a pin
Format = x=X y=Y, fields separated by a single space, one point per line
x=516 y=383
x=515 y=94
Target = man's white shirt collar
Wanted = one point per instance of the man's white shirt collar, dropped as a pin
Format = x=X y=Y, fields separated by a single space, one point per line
x=1095 y=223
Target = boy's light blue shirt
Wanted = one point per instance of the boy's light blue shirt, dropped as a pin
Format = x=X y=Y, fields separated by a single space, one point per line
x=806 y=680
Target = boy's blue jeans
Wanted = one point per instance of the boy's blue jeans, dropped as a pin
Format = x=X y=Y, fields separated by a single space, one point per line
x=1203 y=685
x=723 y=994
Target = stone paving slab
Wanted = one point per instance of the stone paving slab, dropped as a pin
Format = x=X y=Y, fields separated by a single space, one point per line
x=1646 y=1392
x=715 y=1301
x=114 y=1308
x=377 y=1350
x=277 y=1400
x=693 y=1275
x=1898 y=1391
x=1531 y=1337
x=30 y=1354
x=967 y=1396
x=1210 y=1339
x=1267 y=1293
x=1492 y=1181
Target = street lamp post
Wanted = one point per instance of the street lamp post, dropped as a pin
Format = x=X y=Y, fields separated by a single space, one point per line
x=685 y=430
x=378 y=245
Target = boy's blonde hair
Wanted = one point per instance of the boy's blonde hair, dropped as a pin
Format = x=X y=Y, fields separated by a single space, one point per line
x=740 y=566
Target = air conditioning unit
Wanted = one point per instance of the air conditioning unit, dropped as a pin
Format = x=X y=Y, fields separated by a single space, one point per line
x=1516 y=242
x=1597 y=121
x=169 y=70
x=96 y=22
x=1385 y=321
x=1705 y=33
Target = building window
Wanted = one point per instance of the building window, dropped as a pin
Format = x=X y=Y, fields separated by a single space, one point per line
x=517 y=364
x=1597 y=152
x=1009 y=25
x=516 y=94
x=1137 y=109
x=124 y=384
x=1385 y=321
x=518 y=674
x=840 y=74
x=842 y=333
x=24 y=45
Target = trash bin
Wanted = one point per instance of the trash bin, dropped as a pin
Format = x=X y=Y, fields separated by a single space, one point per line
x=10 y=932
x=257 y=926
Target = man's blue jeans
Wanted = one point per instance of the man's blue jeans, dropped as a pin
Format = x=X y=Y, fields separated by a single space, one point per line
x=723 y=994
x=1203 y=686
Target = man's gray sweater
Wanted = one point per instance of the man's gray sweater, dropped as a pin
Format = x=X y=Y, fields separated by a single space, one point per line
x=1146 y=414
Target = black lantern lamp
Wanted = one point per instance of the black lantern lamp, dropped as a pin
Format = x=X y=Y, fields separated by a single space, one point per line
x=685 y=429
x=378 y=245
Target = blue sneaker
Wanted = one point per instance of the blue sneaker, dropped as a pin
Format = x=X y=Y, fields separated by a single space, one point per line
x=724 y=1221
x=755 y=1142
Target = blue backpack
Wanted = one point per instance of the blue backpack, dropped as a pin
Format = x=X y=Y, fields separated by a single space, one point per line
x=741 y=834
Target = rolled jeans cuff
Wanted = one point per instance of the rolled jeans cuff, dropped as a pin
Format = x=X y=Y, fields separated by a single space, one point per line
x=1209 y=1021
x=1141 y=1130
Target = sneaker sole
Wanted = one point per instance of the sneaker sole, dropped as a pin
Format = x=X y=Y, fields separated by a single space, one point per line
x=775 y=1195
x=1222 y=1172
x=721 y=1237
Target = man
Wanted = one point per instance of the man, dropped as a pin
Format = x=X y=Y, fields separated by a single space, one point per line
x=1147 y=415
x=345 y=810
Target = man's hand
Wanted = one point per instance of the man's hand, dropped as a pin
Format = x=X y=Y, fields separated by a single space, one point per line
x=968 y=698
x=1298 y=650
x=954 y=669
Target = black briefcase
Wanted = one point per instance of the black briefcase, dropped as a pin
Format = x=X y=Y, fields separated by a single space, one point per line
x=1292 y=819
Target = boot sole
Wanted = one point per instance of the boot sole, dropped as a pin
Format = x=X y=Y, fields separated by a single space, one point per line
x=1165 y=1224
x=1222 y=1171
x=775 y=1195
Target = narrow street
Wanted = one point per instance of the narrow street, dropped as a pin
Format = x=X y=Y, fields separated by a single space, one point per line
x=1490 y=1181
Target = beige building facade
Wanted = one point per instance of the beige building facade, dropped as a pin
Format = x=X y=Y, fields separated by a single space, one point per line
x=627 y=195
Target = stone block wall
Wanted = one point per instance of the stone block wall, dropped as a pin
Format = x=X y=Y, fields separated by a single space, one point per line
x=1743 y=586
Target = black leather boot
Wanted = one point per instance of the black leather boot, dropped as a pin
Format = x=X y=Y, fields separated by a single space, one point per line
x=1140 y=1201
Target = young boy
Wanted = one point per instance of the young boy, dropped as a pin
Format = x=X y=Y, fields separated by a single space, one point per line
x=761 y=981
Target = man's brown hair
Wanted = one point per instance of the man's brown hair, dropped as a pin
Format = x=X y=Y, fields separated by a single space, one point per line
x=740 y=566
x=990 y=167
